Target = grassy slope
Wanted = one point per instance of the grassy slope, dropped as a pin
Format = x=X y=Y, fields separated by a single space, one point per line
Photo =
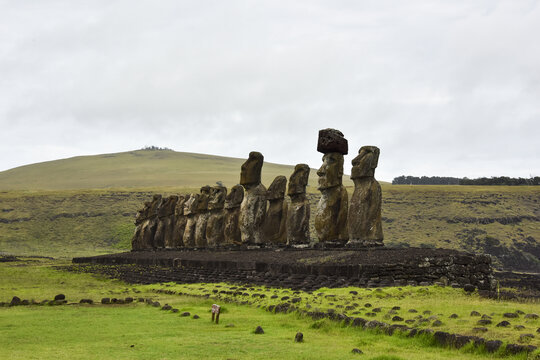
x=107 y=332
x=84 y=221
x=141 y=168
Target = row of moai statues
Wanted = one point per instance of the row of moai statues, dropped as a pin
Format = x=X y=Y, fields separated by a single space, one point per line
x=252 y=215
x=248 y=215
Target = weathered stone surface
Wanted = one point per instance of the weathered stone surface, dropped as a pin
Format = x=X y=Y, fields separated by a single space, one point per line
x=332 y=140
x=140 y=218
x=180 y=221
x=202 y=219
x=149 y=226
x=165 y=224
x=190 y=211
x=274 y=229
x=331 y=216
x=216 y=221
x=232 y=215
x=253 y=207
x=364 y=217
x=298 y=213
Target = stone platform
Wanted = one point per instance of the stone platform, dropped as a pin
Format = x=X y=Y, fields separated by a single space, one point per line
x=307 y=268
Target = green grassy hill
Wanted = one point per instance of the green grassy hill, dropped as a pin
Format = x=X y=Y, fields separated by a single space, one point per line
x=140 y=169
x=86 y=205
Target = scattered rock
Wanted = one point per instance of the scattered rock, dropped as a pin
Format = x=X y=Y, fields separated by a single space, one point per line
x=519 y=327
x=427 y=312
x=397 y=318
x=437 y=323
x=531 y=316
x=475 y=313
x=86 y=301
x=454 y=316
x=510 y=315
x=484 y=322
x=196 y=316
x=376 y=310
x=503 y=323
x=410 y=321
x=353 y=292
x=15 y=301
x=357 y=351
x=128 y=300
x=156 y=304
x=185 y=314
x=396 y=308
x=469 y=288
x=166 y=307
x=520 y=312
x=413 y=310
x=486 y=317
x=259 y=330
x=175 y=310
x=299 y=337
x=525 y=337
x=106 y=301
x=479 y=330
x=368 y=305
x=493 y=345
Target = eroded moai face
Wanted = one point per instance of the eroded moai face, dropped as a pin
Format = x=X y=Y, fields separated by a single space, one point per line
x=204 y=198
x=365 y=163
x=250 y=173
x=298 y=180
x=179 y=209
x=277 y=188
x=217 y=198
x=331 y=171
x=191 y=204
x=235 y=197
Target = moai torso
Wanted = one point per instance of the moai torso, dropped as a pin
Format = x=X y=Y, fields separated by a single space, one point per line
x=253 y=207
x=169 y=221
x=179 y=222
x=202 y=220
x=331 y=216
x=299 y=210
x=140 y=218
x=365 y=226
x=232 y=214
x=164 y=228
x=215 y=227
x=190 y=211
x=274 y=230
x=150 y=224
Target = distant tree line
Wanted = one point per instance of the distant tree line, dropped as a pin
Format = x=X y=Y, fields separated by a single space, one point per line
x=155 y=148
x=444 y=180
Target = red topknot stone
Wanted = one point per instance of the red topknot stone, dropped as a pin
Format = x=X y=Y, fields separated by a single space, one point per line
x=332 y=140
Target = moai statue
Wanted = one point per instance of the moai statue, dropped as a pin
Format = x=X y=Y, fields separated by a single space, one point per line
x=180 y=221
x=150 y=224
x=275 y=230
x=232 y=215
x=253 y=207
x=190 y=211
x=142 y=215
x=299 y=210
x=331 y=217
x=163 y=236
x=365 y=227
x=202 y=220
x=216 y=221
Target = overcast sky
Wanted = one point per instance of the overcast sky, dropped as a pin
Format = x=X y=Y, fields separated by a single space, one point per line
x=449 y=88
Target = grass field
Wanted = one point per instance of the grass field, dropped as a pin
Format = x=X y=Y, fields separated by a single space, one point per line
x=138 y=331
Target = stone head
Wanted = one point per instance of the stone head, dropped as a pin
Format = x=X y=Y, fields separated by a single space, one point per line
x=191 y=204
x=365 y=163
x=331 y=171
x=276 y=190
x=204 y=198
x=179 y=209
x=167 y=206
x=235 y=197
x=155 y=204
x=298 y=180
x=217 y=198
x=250 y=173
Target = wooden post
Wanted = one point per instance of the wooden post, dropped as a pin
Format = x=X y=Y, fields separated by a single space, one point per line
x=215 y=312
